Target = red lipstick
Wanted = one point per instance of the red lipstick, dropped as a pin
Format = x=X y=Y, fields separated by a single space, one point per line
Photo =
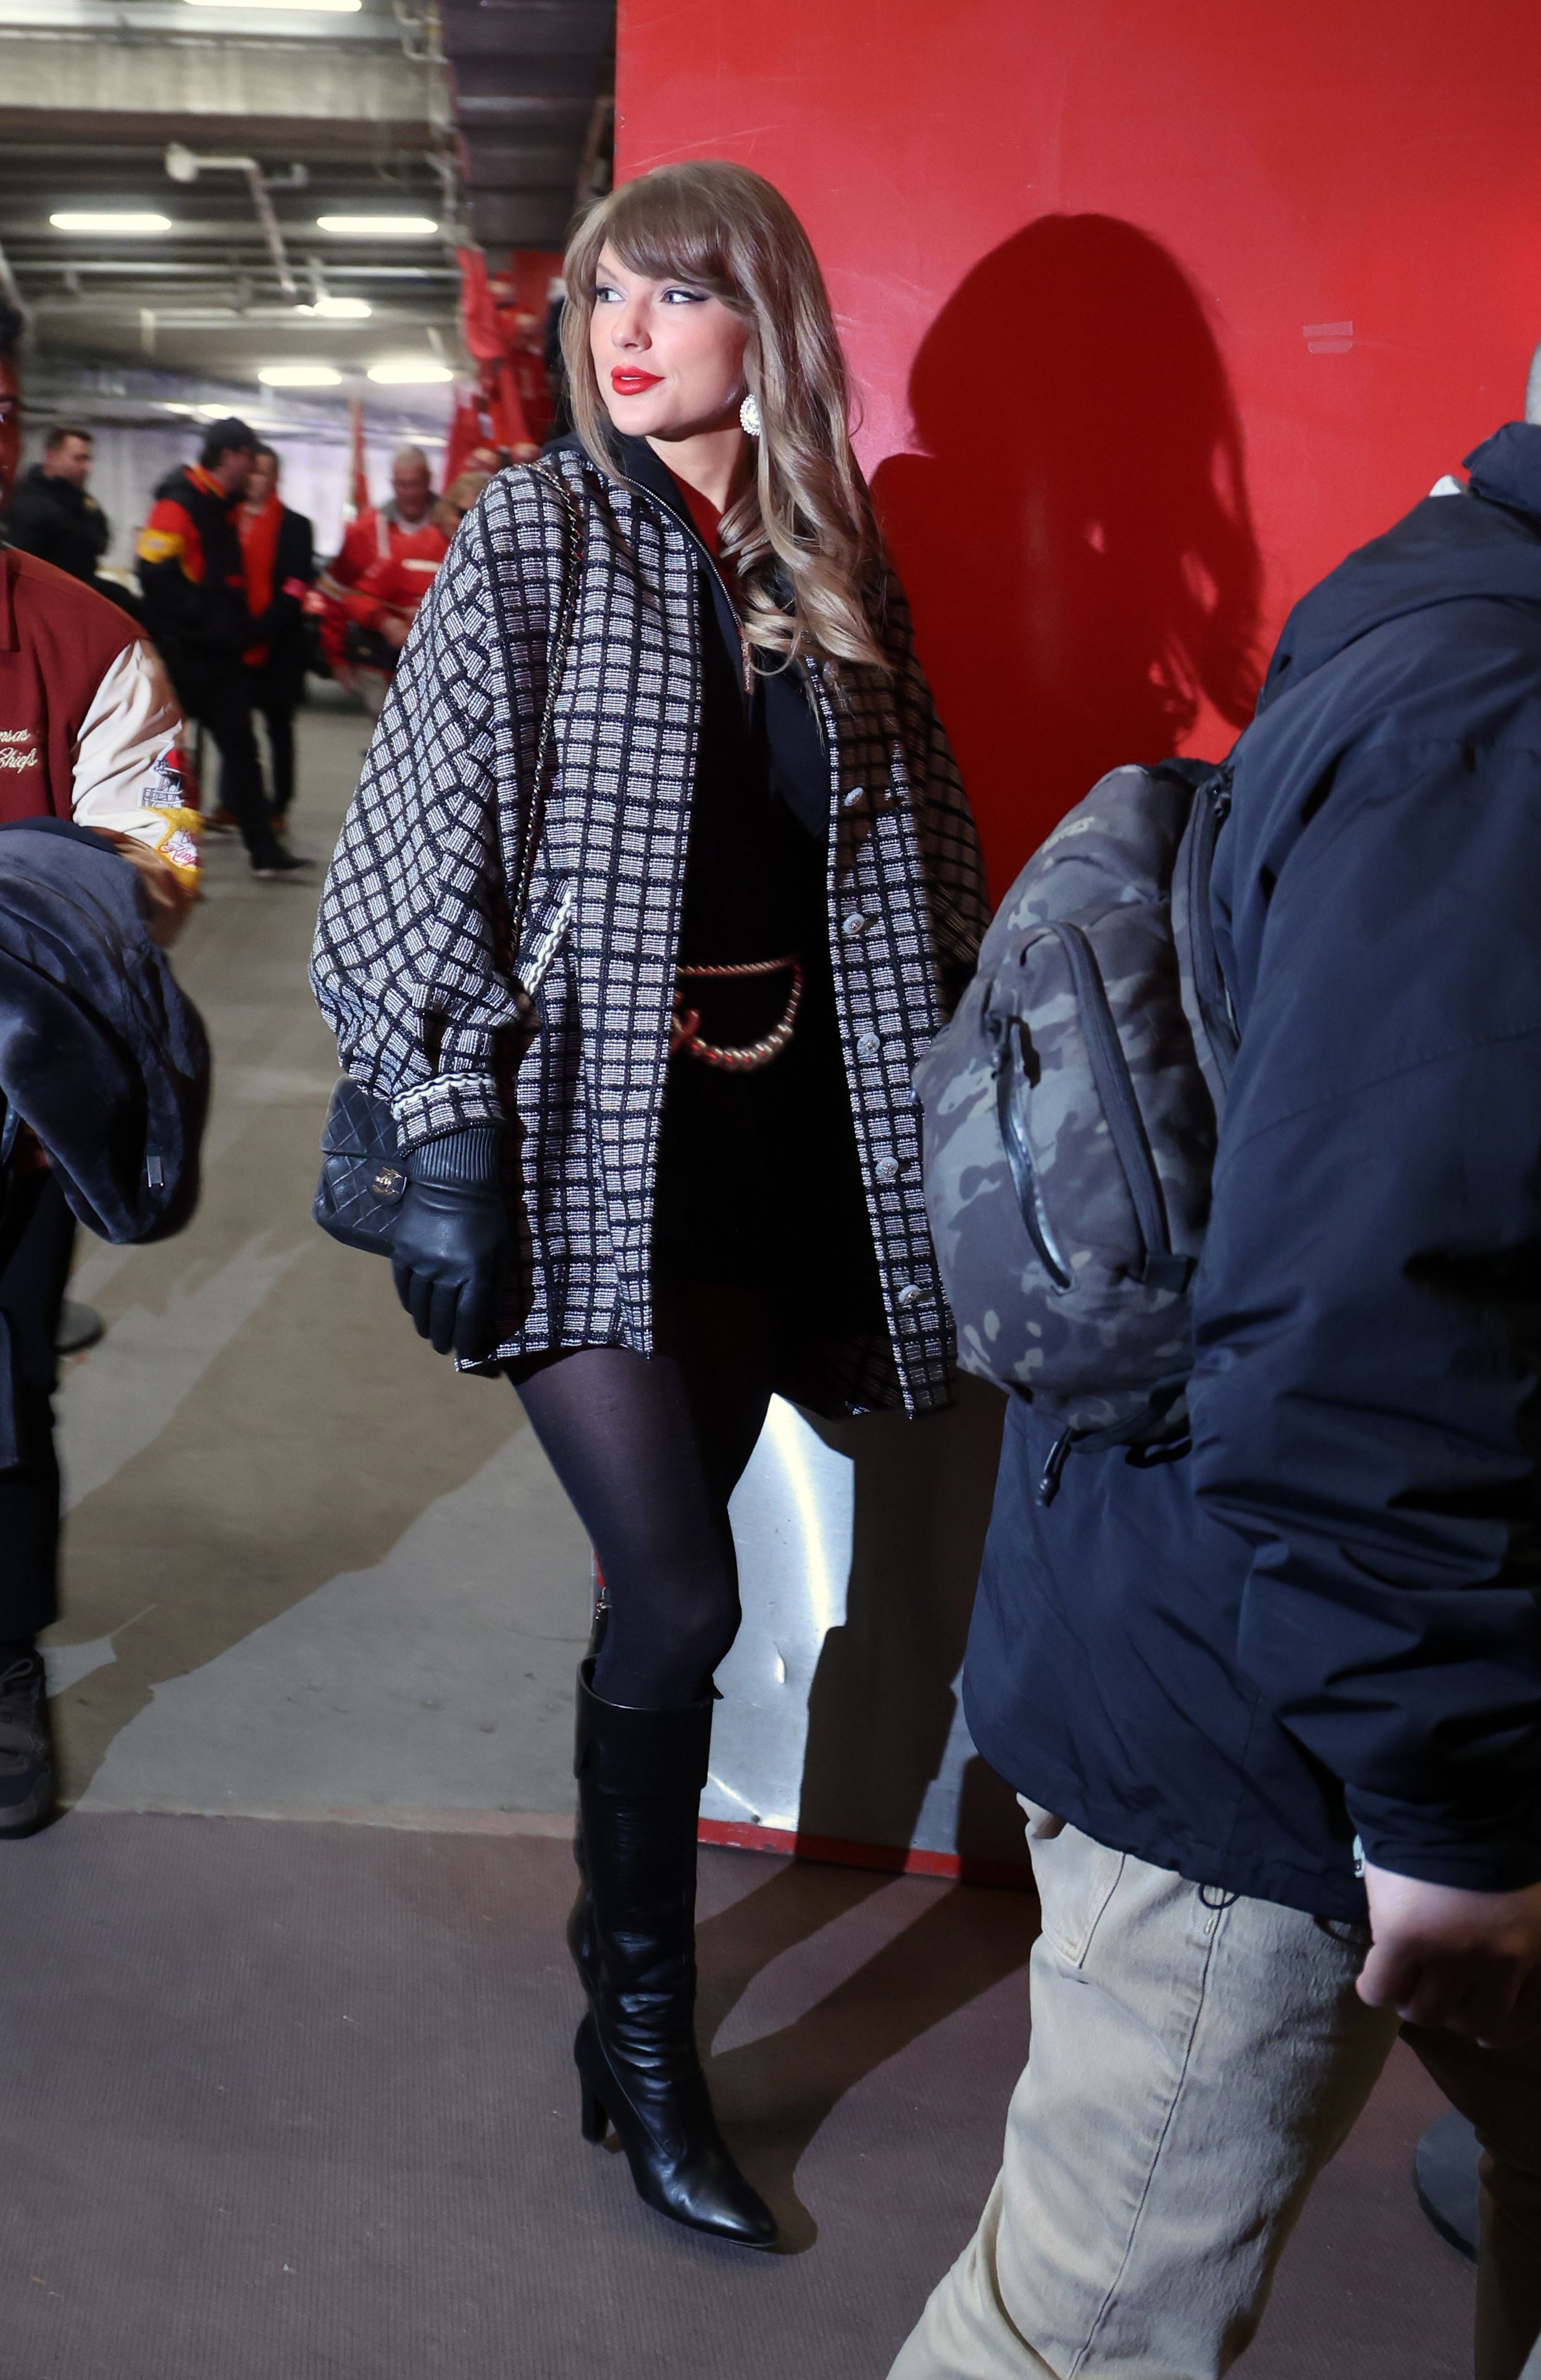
x=626 y=381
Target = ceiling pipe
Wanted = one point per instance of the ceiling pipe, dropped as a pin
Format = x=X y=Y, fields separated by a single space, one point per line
x=184 y=166
x=121 y=269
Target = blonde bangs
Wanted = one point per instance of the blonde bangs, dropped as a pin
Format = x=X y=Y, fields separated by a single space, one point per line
x=678 y=233
x=802 y=544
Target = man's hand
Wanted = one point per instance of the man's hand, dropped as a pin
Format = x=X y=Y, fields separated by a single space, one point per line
x=1466 y=1961
x=394 y=629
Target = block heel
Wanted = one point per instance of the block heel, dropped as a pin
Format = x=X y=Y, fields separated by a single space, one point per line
x=595 y=2123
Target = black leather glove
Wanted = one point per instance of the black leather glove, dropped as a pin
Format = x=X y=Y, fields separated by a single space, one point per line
x=451 y=1241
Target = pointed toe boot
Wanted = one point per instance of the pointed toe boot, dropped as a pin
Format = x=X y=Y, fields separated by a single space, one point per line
x=633 y=1937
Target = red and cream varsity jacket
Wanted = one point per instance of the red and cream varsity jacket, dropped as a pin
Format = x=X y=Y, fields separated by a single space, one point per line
x=89 y=729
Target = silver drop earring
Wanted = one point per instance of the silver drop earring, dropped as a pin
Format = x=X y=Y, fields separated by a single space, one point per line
x=748 y=417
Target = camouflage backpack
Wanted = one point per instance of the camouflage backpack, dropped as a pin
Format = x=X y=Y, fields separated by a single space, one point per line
x=1071 y=1112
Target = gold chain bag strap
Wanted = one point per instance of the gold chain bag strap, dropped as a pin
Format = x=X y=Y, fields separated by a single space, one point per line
x=362 y=1177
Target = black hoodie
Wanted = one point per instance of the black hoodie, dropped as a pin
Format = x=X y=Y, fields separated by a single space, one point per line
x=1320 y=1632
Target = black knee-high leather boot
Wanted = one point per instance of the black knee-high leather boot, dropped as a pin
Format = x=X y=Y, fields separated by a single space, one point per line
x=633 y=1934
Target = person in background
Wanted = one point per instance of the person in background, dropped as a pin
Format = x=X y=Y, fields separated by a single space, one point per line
x=53 y=515
x=391 y=551
x=393 y=587
x=464 y=490
x=1273 y=1705
x=278 y=552
x=90 y=731
x=195 y=607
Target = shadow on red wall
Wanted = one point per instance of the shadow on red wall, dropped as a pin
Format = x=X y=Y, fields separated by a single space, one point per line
x=1076 y=537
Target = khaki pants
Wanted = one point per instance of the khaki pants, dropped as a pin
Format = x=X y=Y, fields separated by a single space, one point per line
x=1196 y=2061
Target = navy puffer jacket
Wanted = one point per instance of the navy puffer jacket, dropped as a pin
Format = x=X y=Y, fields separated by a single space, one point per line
x=1324 y=1623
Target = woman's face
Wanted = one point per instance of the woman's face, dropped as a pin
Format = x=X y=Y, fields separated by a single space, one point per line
x=668 y=357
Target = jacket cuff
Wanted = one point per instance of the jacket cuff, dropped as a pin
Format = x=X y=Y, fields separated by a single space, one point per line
x=449 y=1103
x=465 y=1159
x=1494 y=1848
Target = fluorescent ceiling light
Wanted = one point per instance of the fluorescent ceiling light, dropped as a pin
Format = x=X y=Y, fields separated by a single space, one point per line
x=321 y=7
x=99 y=219
x=410 y=373
x=340 y=309
x=299 y=376
x=378 y=226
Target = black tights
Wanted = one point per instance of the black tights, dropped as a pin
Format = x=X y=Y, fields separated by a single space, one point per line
x=649 y=1449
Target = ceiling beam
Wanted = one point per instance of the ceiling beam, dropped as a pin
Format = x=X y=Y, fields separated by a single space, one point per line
x=176 y=87
x=160 y=21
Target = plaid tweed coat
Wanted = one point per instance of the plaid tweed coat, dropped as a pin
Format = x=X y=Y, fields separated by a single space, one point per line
x=569 y=1045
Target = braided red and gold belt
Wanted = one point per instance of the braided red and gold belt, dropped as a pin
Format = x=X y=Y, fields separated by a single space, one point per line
x=685 y=1031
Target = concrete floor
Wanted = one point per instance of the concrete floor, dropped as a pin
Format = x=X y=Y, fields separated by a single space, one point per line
x=306 y=1564
x=311 y=1574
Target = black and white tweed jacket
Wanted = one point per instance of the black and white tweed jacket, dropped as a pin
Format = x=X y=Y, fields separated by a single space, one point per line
x=411 y=971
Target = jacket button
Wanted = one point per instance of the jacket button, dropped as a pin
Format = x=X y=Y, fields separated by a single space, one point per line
x=853 y=922
x=886 y=1170
x=909 y=1293
x=869 y=1046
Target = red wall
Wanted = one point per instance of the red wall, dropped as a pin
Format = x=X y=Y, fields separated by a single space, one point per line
x=1154 y=311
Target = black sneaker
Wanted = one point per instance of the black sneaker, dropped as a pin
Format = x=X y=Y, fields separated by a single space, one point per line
x=274 y=862
x=27 y=1795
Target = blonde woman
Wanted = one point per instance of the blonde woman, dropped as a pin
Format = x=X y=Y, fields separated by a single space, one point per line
x=652 y=1063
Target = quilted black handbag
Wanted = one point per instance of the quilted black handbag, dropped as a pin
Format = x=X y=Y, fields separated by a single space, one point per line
x=363 y=1175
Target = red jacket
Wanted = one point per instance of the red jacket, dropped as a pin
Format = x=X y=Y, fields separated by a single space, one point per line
x=385 y=566
x=191 y=570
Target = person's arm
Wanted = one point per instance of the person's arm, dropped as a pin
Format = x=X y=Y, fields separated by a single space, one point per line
x=359 y=547
x=405 y=965
x=101 y=528
x=944 y=822
x=1364 y=1397
x=363 y=603
x=127 y=782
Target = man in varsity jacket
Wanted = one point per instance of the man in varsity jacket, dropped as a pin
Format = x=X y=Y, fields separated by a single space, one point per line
x=193 y=581
x=90 y=731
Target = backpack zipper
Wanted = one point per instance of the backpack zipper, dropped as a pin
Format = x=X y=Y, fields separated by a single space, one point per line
x=1210 y=985
x=1116 y=1088
x=1059 y=1453
x=1019 y=1157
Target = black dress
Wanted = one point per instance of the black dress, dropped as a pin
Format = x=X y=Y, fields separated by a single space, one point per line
x=759 y=1181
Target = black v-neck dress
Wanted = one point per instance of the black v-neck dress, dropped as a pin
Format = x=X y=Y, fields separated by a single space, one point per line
x=759 y=1181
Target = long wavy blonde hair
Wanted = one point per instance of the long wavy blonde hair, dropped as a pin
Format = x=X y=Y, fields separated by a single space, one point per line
x=806 y=517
